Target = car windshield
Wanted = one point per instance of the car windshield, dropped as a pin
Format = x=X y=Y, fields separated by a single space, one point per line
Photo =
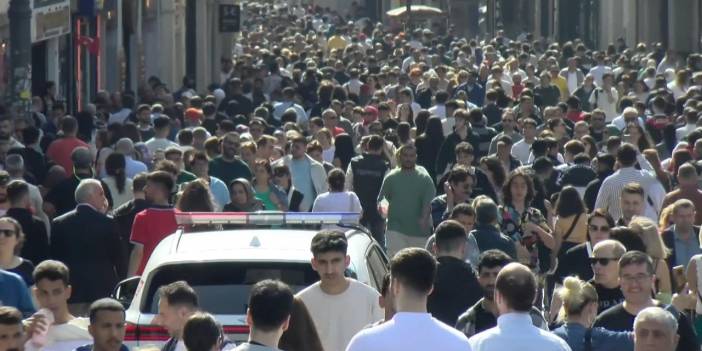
x=223 y=287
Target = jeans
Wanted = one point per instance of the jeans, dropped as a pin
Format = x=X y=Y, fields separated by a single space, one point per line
x=377 y=229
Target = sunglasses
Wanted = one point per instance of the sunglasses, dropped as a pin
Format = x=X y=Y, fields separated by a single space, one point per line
x=7 y=232
x=603 y=228
x=603 y=261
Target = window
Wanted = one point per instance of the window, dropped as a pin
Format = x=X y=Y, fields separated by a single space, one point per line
x=223 y=287
x=377 y=265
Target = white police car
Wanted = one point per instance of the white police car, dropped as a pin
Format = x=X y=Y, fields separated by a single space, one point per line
x=222 y=265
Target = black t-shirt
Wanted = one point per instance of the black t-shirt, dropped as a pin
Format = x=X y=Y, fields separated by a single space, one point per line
x=618 y=319
x=608 y=297
x=456 y=288
x=574 y=262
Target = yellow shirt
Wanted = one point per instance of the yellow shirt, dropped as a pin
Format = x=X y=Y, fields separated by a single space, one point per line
x=562 y=85
x=579 y=233
x=336 y=42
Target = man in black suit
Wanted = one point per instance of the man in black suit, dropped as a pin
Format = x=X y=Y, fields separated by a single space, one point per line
x=36 y=242
x=681 y=238
x=87 y=241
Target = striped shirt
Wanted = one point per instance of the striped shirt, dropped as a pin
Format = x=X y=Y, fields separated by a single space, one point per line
x=610 y=192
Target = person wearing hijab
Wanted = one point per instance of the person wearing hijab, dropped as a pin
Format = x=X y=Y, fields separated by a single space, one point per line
x=242 y=197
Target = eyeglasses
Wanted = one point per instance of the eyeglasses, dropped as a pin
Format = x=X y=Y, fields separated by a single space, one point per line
x=603 y=261
x=636 y=278
x=7 y=232
x=594 y=228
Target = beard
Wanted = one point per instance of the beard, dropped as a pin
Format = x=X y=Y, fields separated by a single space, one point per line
x=489 y=292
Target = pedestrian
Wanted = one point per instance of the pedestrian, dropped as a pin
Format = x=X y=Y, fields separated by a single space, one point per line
x=117 y=181
x=404 y=205
x=10 y=260
x=202 y=333
x=177 y=302
x=337 y=199
x=637 y=278
x=578 y=312
x=14 y=293
x=307 y=175
x=99 y=262
x=655 y=330
x=154 y=223
x=12 y=335
x=107 y=326
x=515 y=291
x=270 y=306
x=301 y=334
x=52 y=291
x=364 y=177
x=456 y=287
x=61 y=149
x=339 y=306
x=228 y=166
x=483 y=314
x=35 y=245
x=413 y=272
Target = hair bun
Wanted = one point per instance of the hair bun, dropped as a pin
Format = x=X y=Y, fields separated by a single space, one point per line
x=572 y=284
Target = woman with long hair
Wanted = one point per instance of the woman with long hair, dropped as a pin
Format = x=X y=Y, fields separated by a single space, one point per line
x=570 y=227
x=428 y=145
x=195 y=197
x=578 y=314
x=120 y=186
x=343 y=151
x=647 y=230
x=11 y=241
x=271 y=196
x=325 y=137
x=420 y=122
x=405 y=113
x=638 y=136
x=283 y=179
x=523 y=223
x=242 y=197
x=495 y=172
x=301 y=334
x=404 y=133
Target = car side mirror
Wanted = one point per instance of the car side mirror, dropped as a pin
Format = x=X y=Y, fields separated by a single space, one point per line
x=125 y=290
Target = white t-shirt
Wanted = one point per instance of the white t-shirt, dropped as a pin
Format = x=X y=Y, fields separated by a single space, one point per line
x=328 y=154
x=599 y=97
x=339 y=317
x=410 y=331
x=65 y=337
x=154 y=144
x=521 y=151
x=344 y=201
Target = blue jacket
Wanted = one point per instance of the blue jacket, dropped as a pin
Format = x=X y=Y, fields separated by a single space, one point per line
x=601 y=339
x=488 y=237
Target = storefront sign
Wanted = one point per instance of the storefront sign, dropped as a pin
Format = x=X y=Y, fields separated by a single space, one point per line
x=50 y=18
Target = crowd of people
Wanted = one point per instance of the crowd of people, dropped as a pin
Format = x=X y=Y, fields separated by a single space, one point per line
x=556 y=187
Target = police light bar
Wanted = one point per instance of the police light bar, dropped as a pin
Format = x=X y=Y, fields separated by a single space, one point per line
x=267 y=218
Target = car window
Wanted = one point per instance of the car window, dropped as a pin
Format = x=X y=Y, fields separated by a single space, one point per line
x=223 y=287
x=377 y=265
